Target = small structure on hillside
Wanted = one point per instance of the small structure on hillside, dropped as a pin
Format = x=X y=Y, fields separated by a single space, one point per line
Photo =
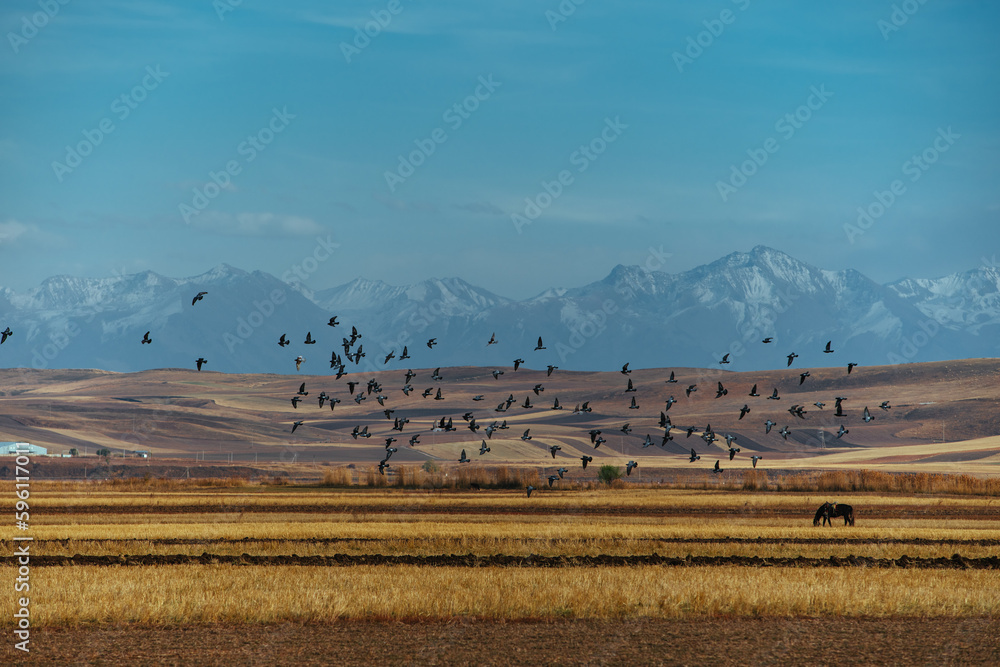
x=22 y=449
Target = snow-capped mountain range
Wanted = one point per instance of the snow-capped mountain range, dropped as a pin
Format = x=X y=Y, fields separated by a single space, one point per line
x=648 y=318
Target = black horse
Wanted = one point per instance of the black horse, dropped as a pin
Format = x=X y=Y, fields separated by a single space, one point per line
x=828 y=510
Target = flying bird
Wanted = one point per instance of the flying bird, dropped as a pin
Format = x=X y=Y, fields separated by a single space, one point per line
x=803 y=376
x=302 y=390
x=409 y=375
x=625 y=370
x=586 y=459
x=145 y=339
x=550 y=369
x=333 y=322
x=716 y=468
x=555 y=404
x=691 y=388
x=784 y=432
x=530 y=489
x=753 y=391
x=553 y=449
x=198 y=297
x=868 y=416
x=552 y=478
x=464 y=458
x=828 y=349
x=885 y=405
x=309 y=339
x=431 y=343
x=497 y=373
x=525 y=436
x=527 y=402
x=850 y=366
x=295 y=402
x=297 y=424
x=625 y=429
x=630 y=466
x=721 y=391
x=561 y=472
x=790 y=357
x=405 y=355
x=298 y=362
x=493 y=339
x=483 y=448
x=6 y=333
x=389 y=356
x=767 y=340
x=755 y=458
x=634 y=406
x=733 y=451
x=537 y=388
x=539 y=346
x=694 y=456
x=517 y=363
x=725 y=359
x=672 y=379
x=768 y=424
x=842 y=432
x=774 y=395
x=200 y=361
x=744 y=410
x=630 y=387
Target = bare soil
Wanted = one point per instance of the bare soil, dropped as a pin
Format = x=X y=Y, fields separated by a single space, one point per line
x=710 y=641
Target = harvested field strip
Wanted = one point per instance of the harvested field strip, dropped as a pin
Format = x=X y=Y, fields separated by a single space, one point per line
x=553 y=540
x=565 y=527
x=956 y=562
x=205 y=594
x=931 y=511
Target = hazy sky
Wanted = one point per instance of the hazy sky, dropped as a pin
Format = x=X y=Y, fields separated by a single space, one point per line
x=413 y=147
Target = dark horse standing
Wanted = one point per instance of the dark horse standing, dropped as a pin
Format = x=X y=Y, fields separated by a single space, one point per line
x=827 y=511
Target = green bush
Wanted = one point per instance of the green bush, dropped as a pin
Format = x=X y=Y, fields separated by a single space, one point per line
x=609 y=473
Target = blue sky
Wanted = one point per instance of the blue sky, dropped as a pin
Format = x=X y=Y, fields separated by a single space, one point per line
x=641 y=137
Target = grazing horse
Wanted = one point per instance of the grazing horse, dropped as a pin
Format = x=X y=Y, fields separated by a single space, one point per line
x=828 y=510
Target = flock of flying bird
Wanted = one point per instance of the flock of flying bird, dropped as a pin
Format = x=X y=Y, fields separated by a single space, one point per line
x=445 y=424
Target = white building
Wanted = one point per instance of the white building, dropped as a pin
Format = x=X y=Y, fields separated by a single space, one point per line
x=16 y=448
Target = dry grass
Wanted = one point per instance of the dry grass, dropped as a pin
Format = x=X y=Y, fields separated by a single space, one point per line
x=445 y=527
x=509 y=546
x=198 y=594
x=508 y=477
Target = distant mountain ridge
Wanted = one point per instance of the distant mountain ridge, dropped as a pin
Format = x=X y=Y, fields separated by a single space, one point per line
x=649 y=318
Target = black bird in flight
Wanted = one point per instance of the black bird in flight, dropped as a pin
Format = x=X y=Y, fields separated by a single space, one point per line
x=784 y=432
x=537 y=388
x=550 y=369
x=409 y=375
x=351 y=385
x=768 y=424
x=755 y=458
x=555 y=404
x=803 y=376
x=790 y=357
x=744 y=410
x=691 y=388
x=634 y=405
x=431 y=343
x=525 y=436
x=6 y=333
x=283 y=341
x=297 y=424
x=539 y=346
x=295 y=402
x=552 y=478
x=850 y=366
x=527 y=402
x=840 y=408
x=625 y=429
x=389 y=356
x=672 y=380
x=767 y=340
x=145 y=338
x=885 y=405
x=867 y=416
x=631 y=465
x=436 y=375
x=716 y=468
x=405 y=355
x=721 y=391
x=531 y=488
x=309 y=338
x=201 y=361
x=828 y=349
x=842 y=432
x=497 y=373
x=464 y=459
x=593 y=434
x=493 y=339
x=586 y=459
x=725 y=359
x=694 y=456
x=302 y=390
x=198 y=297
x=625 y=370
x=753 y=391
x=670 y=401
x=553 y=449
x=333 y=322
x=630 y=386
x=774 y=395
x=483 y=448
x=517 y=363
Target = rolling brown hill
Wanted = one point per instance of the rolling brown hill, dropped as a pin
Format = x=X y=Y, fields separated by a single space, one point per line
x=944 y=416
